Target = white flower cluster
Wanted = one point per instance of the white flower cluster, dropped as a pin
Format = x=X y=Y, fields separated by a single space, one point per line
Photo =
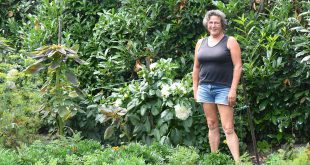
x=118 y=102
x=182 y=112
x=153 y=66
x=168 y=89
x=165 y=90
x=11 y=75
x=178 y=86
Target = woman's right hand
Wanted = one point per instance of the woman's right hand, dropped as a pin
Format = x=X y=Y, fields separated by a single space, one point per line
x=195 y=94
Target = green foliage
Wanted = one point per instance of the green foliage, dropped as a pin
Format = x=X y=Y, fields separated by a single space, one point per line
x=116 y=115
x=298 y=156
x=76 y=151
x=8 y=157
x=122 y=38
x=19 y=120
x=19 y=100
x=270 y=65
x=59 y=104
x=263 y=147
x=117 y=37
x=159 y=107
x=183 y=155
x=58 y=149
x=216 y=158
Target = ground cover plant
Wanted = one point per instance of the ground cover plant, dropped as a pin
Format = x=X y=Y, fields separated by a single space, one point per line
x=74 y=150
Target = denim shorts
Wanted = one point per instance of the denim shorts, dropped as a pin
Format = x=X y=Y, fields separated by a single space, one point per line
x=213 y=93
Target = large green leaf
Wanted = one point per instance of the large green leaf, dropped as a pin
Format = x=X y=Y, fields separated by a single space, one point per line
x=62 y=51
x=135 y=120
x=175 y=136
x=188 y=122
x=156 y=133
x=167 y=115
x=64 y=112
x=109 y=132
x=71 y=77
x=34 y=68
x=82 y=62
x=147 y=125
x=163 y=129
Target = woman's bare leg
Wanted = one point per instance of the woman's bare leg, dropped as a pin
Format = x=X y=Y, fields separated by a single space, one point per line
x=211 y=111
x=227 y=120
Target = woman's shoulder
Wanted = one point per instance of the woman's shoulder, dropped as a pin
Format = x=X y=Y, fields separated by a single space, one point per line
x=231 y=39
x=202 y=40
x=231 y=42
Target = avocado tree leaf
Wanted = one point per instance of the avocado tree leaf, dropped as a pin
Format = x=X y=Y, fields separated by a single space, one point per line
x=71 y=77
x=42 y=48
x=52 y=53
x=82 y=62
x=71 y=51
x=55 y=63
x=62 y=51
x=34 y=68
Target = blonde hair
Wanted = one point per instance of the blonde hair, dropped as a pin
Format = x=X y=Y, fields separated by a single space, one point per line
x=215 y=13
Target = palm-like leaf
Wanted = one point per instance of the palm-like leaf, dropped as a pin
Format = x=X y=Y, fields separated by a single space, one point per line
x=54 y=57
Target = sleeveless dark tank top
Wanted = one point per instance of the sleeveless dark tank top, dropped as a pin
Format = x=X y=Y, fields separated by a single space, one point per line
x=215 y=63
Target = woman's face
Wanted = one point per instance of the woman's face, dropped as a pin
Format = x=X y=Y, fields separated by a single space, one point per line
x=214 y=26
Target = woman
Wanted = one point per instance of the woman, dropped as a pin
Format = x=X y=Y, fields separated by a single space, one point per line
x=216 y=74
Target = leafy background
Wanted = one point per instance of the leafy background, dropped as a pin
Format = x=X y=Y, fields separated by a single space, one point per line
x=134 y=49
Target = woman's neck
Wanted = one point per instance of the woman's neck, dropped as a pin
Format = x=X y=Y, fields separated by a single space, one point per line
x=216 y=37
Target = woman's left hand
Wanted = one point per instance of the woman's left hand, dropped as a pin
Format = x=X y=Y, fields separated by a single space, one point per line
x=232 y=96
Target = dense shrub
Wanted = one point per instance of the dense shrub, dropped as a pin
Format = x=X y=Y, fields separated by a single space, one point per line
x=19 y=100
x=276 y=83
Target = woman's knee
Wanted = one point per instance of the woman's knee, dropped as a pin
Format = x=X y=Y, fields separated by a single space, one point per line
x=212 y=124
x=229 y=130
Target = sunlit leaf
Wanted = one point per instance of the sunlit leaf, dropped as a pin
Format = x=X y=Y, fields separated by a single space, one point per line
x=42 y=48
x=301 y=53
x=63 y=112
x=73 y=56
x=39 y=57
x=306 y=59
x=62 y=51
x=70 y=51
x=34 y=68
x=73 y=94
x=52 y=53
x=101 y=118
